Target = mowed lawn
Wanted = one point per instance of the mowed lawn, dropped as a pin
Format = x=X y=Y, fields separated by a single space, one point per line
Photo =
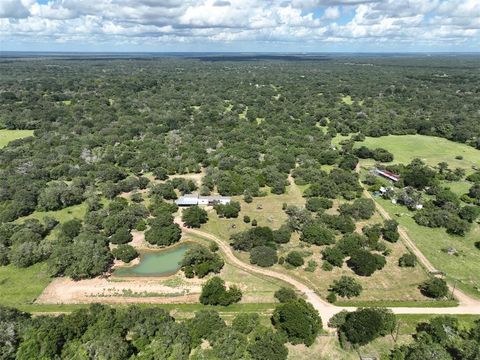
x=22 y=286
x=7 y=136
x=464 y=269
x=430 y=149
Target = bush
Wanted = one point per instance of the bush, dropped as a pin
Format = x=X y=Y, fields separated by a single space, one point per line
x=121 y=236
x=434 y=288
x=317 y=204
x=326 y=266
x=316 y=233
x=246 y=323
x=347 y=287
x=126 y=253
x=263 y=256
x=390 y=231
x=282 y=235
x=359 y=209
x=334 y=256
x=469 y=213
x=364 y=263
x=407 y=260
x=284 y=294
x=331 y=297
x=365 y=325
x=199 y=261
x=295 y=258
x=194 y=216
x=214 y=292
x=246 y=219
x=298 y=320
x=229 y=210
x=254 y=222
x=311 y=266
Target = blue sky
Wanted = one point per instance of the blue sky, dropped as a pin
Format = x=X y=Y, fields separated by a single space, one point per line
x=240 y=25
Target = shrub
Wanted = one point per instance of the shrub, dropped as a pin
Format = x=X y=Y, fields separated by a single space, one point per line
x=295 y=258
x=434 y=288
x=364 y=263
x=284 y=294
x=347 y=287
x=364 y=325
x=229 y=210
x=246 y=323
x=298 y=320
x=194 y=216
x=248 y=198
x=359 y=209
x=199 y=261
x=126 y=253
x=331 y=297
x=213 y=247
x=326 y=266
x=372 y=232
x=311 y=266
x=390 y=231
x=121 y=236
x=254 y=222
x=263 y=256
x=334 y=256
x=246 y=219
x=282 y=235
x=351 y=243
x=316 y=233
x=407 y=260
x=316 y=204
x=214 y=292
x=469 y=213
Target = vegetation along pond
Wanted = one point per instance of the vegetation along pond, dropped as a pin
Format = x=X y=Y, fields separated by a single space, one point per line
x=156 y=263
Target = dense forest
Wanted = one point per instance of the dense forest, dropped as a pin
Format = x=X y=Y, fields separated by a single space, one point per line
x=100 y=123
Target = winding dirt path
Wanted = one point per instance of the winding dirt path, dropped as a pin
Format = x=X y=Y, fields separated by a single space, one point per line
x=467 y=304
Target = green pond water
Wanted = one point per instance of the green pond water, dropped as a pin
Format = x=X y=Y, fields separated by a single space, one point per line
x=156 y=263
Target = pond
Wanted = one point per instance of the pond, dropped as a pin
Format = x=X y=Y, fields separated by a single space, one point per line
x=156 y=263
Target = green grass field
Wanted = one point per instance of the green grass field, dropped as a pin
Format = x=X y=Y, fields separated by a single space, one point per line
x=20 y=287
x=462 y=269
x=430 y=149
x=9 y=135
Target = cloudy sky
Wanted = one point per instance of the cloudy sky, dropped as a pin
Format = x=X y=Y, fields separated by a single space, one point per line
x=240 y=25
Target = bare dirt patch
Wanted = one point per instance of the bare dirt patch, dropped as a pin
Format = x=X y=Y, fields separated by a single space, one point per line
x=138 y=290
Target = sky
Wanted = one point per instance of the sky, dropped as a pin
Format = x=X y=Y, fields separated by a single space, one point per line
x=240 y=25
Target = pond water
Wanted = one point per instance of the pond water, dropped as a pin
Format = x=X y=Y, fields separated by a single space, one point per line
x=156 y=263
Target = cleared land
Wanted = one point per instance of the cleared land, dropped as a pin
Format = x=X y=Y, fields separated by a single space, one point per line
x=390 y=284
x=461 y=270
x=22 y=286
x=430 y=149
x=7 y=136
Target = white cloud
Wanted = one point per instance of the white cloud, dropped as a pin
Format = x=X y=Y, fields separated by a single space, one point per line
x=228 y=21
x=331 y=13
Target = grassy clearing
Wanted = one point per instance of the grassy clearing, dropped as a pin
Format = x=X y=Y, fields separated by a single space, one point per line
x=9 y=135
x=20 y=287
x=347 y=100
x=392 y=283
x=430 y=149
x=461 y=269
x=66 y=214
x=382 y=303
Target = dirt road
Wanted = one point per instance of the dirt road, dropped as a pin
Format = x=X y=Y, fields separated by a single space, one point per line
x=467 y=305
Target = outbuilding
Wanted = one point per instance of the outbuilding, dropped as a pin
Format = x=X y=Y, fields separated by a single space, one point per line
x=195 y=199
